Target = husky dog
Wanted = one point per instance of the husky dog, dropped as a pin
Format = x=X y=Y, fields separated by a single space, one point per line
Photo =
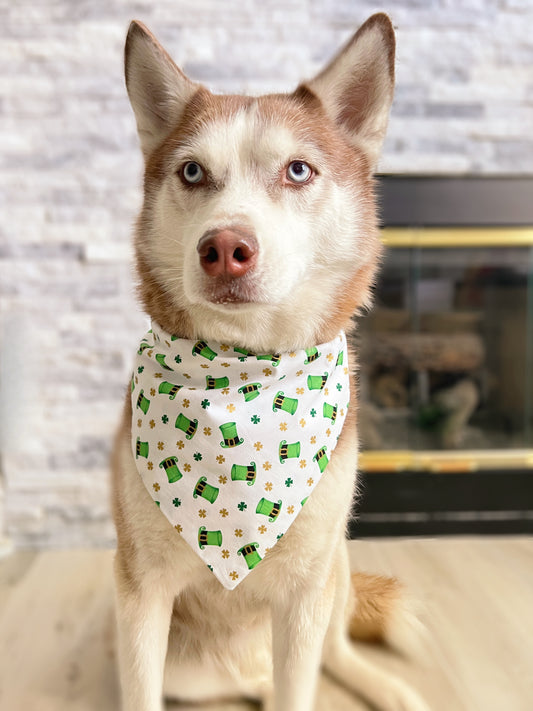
x=258 y=230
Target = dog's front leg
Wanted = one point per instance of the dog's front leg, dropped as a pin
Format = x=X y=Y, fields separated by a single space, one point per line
x=143 y=619
x=298 y=629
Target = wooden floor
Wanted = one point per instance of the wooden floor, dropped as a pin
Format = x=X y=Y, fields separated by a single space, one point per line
x=57 y=646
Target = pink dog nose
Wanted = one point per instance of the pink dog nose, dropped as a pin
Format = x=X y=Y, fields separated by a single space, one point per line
x=228 y=252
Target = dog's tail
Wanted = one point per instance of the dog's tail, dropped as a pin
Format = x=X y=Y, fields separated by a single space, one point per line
x=385 y=613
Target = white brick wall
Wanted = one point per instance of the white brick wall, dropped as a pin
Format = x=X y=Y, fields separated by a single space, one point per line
x=70 y=175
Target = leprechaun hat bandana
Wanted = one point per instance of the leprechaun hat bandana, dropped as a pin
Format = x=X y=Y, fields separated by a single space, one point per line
x=230 y=444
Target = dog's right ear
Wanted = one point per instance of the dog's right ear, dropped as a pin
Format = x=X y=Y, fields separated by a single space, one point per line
x=157 y=88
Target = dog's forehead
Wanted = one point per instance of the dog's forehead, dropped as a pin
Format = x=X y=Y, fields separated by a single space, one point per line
x=260 y=131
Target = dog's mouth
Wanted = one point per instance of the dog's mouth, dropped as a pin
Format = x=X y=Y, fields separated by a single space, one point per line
x=227 y=291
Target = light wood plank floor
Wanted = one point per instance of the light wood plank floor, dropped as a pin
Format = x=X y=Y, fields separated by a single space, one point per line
x=57 y=643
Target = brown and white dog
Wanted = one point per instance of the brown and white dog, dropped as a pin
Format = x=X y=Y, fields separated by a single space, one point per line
x=258 y=229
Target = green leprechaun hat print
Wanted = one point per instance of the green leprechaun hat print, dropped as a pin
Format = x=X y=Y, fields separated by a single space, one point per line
x=160 y=358
x=144 y=345
x=142 y=402
x=170 y=465
x=316 y=382
x=269 y=508
x=312 y=354
x=229 y=433
x=202 y=349
x=216 y=383
x=244 y=472
x=205 y=490
x=330 y=411
x=141 y=449
x=244 y=352
x=288 y=451
x=166 y=388
x=251 y=556
x=274 y=359
x=185 y=425
x=250 y=391
x=321 y=459
x=282 y=402
x=208 y=538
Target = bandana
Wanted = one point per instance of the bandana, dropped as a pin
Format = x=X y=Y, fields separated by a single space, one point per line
x=230 y=444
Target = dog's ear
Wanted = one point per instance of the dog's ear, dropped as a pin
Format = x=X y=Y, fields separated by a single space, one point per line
x=356 y=88
x=157 y=88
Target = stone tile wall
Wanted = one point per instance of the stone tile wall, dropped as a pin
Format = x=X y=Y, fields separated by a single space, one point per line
x=70 y=174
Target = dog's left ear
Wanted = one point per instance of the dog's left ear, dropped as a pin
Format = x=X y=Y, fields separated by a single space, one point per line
x=357 y=87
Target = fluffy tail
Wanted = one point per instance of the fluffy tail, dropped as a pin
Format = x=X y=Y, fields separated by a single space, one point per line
x=384 y=613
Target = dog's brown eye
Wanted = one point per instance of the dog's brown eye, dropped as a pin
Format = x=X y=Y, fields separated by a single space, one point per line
x=192 y=173
x=299 y=172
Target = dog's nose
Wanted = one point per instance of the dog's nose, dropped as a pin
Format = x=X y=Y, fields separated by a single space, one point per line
x=228 y=252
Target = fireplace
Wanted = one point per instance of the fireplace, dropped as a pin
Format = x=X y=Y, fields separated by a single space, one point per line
x=446 y=361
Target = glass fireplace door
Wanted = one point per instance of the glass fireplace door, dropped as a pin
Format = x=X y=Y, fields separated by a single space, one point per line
x=446 y=354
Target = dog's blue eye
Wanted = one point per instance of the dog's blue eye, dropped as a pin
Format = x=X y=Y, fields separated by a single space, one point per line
x=192 y=172
x=299 y=172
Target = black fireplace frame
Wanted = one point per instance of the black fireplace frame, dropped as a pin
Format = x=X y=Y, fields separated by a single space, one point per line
x=422 y=503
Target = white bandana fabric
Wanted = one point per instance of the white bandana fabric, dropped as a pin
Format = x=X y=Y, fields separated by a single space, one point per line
x=230 y=444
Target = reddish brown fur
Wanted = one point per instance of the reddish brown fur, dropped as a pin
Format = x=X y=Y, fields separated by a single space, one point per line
x=376 y=601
